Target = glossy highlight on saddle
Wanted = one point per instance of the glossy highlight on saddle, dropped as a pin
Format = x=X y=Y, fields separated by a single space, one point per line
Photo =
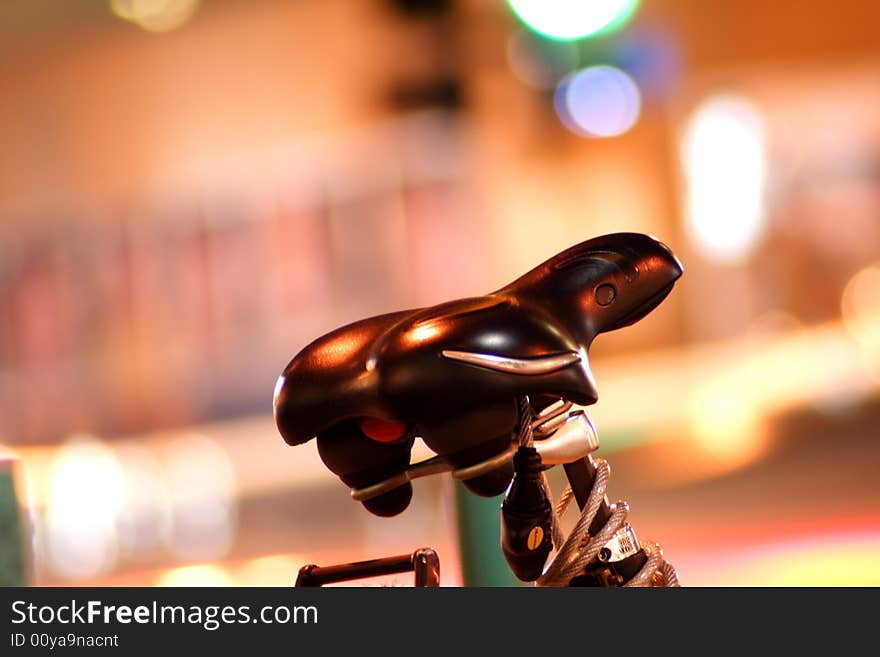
x=453 y=373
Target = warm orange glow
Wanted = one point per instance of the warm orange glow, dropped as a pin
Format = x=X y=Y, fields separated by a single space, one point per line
x=199 y=575
x=832 y=558
x=773 y=324
x=155 y=15
x=726 y=423
x=860 y=308
x=763 y=374
x=271 y=570
x=35 y=469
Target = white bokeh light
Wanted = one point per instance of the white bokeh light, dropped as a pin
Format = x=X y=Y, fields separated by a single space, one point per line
x=723 y=152
x=86 y=496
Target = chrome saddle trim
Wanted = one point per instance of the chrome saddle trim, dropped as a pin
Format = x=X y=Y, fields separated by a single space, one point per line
x=510 y=365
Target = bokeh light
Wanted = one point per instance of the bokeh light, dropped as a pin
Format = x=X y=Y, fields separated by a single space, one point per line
x=567 y=20
x=155 y=15
x=600 y=101
x=860 y=307
x=271 y=570
x=724 y=158
x=845 y=375
x=198 y=575
x=86 y=493
x=727 y=425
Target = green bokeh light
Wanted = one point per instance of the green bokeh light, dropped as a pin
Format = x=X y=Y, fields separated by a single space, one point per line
x=570 y=20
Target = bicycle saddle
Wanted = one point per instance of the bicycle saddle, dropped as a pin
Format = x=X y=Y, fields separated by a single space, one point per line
x=453 y=373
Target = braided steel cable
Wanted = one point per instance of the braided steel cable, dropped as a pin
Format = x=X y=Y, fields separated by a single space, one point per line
x=580 y=548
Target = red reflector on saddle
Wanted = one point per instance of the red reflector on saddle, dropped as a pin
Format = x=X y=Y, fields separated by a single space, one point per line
x=382 y=431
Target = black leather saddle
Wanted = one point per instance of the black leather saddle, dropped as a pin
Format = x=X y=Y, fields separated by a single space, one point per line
x=452 y=374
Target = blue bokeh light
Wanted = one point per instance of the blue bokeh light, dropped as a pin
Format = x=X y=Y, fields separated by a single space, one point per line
x=600 y=101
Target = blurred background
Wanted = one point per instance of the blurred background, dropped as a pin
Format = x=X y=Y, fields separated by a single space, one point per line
x=191 y=191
